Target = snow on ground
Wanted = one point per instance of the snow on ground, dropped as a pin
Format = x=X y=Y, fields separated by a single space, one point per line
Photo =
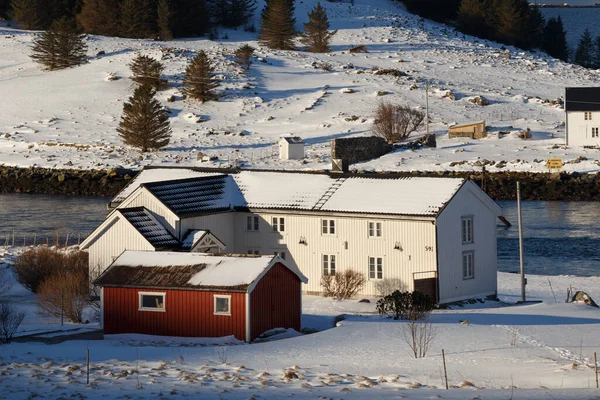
x=68 y=119
x=538 y=350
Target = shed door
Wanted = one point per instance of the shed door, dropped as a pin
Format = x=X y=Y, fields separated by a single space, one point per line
x=427 y=286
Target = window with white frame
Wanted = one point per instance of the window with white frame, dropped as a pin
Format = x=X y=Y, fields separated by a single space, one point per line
x=375 y=267
x=278 y=224
x=328 y=226
x=152 y=301
x=374 y=229
x=468 y=262
x=595 y=131
x=328 y=264
x=222 y=304
x=253 y=251
x=587 y=115
x=467 y=230
x=252 y=223
x=280 y=254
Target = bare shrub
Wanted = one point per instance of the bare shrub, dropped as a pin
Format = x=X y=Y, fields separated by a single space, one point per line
x=343 y=285
x=388 y=286
x=419 y=334
x=395 y=122
x=10 y=320
x=34 y=266
x=66 y=293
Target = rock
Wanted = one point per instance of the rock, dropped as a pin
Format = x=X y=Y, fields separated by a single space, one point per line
x=347 y=90
x=479 y=100
x=364 y=301
x=381 y=93
x=171 y=98
x=582 y=296
x=449 y=95
x=358 y=49
x=61 y=177
x=392 y=72
x=200 y=156
x=100 y=53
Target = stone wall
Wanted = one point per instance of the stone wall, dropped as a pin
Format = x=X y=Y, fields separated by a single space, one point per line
x=359 y=148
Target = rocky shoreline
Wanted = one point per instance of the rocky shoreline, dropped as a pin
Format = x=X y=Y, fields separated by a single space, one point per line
x=499 y=185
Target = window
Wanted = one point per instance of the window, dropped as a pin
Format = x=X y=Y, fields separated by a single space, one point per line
x=587 y=116
x=280 y=254
x=328 y=264
x=253 y=251
x=278 y=224
x=375 y=268
x=374 y=229
x=222 y=305
x=152 y=301
x=467 y=230
x=468 y=265
x=595 y=132
x=252 y=223
x=328 y=226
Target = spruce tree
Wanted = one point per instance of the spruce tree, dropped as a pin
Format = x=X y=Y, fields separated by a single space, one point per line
x=584 y=55
x=277 y=29
x=144 y=123
x=512 y=19
x=100 y=17
x=535 y=28
x=597 y=52
x=472 y=18
x=190 y=18
x=317 y=36
x=555 y=40
x=242 y=56
x=59 y=47
x=28 y=13
x=146 y=71
x=137 y=19
x=164 y=17
x=240 y=12
x=199 y=82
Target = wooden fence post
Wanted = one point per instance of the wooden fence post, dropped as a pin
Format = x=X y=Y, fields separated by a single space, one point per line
x=596 y=369
x=87 y=363
x=445 y=372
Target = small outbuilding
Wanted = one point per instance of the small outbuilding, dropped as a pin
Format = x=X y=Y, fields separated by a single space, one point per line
x=582 y=107
x=199 y=295
x=473 y=130
x=291 y=148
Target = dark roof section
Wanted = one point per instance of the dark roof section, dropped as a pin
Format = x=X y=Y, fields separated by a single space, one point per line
x=149 y=227
x=192 y=195
x=171 y=277
x=582 y=99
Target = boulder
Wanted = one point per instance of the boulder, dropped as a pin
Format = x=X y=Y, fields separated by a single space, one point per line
x=582 y=296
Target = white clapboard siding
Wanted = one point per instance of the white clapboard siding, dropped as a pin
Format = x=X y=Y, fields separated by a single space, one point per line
x=467 y=202
x=118 y=236
x=579 y=130
x=143 y=198
x=221 y=225
x=413 y=236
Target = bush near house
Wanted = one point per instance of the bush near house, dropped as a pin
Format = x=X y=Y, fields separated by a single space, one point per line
x=65 y=294
x=342 y=285
x=405 y=305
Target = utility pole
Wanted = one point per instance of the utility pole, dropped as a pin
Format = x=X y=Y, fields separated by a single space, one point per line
x=523 y=282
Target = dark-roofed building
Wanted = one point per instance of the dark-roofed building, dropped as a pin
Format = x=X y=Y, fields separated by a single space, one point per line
x=199 y=295
x=437 y=235
x=291 y=148
x=582 y=107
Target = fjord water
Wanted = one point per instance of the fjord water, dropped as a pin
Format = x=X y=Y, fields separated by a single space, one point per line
x=560 y=238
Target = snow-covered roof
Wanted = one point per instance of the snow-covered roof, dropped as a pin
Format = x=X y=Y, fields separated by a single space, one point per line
x=422 y=196
x=195 y=236
x=188 y=270
x=149 y=227
x=467 y=124
x=293 y=139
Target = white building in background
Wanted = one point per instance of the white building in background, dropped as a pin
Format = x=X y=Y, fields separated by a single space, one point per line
x=291 y=148
x=437 y=235
x=582 y=107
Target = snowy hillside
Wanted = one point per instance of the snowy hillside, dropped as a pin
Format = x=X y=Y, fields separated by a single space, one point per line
x=68 y=118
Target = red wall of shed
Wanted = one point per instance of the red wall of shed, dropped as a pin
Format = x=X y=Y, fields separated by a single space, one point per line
x=276 y=302
x=189 y=313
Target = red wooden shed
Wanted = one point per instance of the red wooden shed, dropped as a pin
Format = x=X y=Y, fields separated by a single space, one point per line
x=199 y=295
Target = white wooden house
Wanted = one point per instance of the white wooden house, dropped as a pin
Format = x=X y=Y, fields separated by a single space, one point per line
x=437 y=235
x=582 y=107
x=291 y=148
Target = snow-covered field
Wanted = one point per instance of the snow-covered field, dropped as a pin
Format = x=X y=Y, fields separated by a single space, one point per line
x=68 y=119
x=535 y=351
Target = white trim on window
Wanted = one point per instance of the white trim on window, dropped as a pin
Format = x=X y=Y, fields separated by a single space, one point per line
x=468 y=264
x=252 y=223
x=587 y=115
x=328 y=226
x=594 y=131
x=375 y=268
x=278 y=224
x=466 y=225
x=161 y=306
x=225 y=310
x=374 y=229
x=328 y=262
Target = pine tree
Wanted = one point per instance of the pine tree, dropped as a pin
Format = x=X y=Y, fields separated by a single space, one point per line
x=584 y=55
x=199 y=82
x=137 y=19
x=59 y=47
x=512 y=18
x=27 y=13
x=164 y=20
x=597 y=52
x=242 y=56
x=555 y=39
x=535 y=27
x=100 y=17
x=473 y=17
x=146 y=71
x=317 y=35
x=190 y=18
x=240 y=12
x=277 y=29
x=144 y=123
